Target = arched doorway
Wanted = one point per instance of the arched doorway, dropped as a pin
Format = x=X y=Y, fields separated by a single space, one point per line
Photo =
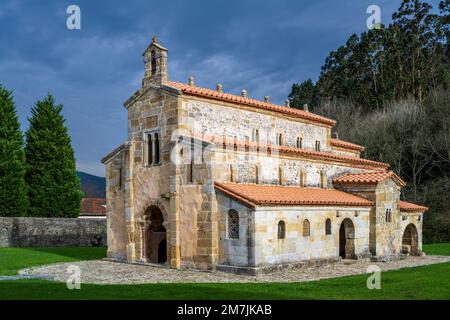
x=346 y=239
x=162 y=251
x=410 y=240
x=155 y=236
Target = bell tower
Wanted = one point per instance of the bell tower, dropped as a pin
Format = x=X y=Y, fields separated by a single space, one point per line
x=155 y=64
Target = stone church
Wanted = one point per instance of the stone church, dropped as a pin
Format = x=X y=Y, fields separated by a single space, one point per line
x=212 y=180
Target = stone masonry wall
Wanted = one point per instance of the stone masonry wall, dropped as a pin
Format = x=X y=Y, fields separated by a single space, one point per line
x=51 y=232
x=348 y=153
x=154 y=111
x=385 y=236
x=291 y=169
x=388 y=236
x=235 y=252
x=415 y=218
x=115 y=210
x=258 y=244
x=216 y=119
x=270 y=250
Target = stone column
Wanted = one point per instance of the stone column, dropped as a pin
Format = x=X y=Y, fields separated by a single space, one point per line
x=129 y=204
x=142 y=244
x=173 y=233
x=251 y=238
x=209 y=224
x=173 y=230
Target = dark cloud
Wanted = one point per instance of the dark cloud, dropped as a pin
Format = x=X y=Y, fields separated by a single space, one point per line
x=262 y=46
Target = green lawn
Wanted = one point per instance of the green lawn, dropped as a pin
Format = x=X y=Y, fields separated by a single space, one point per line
x=439 y=249
x=13 y=259
x=427 y=282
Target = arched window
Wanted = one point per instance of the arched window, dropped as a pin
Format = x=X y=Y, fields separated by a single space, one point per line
x=153 y=61
x=156 y=147
x=317 y=147
x=281 y=230
x=299 y=142
x=224 y=144
x=231 y=173
x=190 y=165
x=256 y=174
x=302 y=178
x=149 y=150
x=153 y=153
x=323 y=179
x=388 y=215
x=247 y=147
x=280 y=139
x=328 y=227
x=281 y=174
x=306 y=229
x=233 y=224
x=119 y=177
x=256 y=135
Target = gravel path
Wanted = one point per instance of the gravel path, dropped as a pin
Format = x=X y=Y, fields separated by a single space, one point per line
x=107 y=272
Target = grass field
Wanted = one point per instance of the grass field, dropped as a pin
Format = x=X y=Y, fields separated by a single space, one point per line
x=427 y=282
x=437 y=249
x=13 y=259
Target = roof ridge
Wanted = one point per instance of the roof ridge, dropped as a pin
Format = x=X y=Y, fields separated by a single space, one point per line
x=331 y=156
x=409 y=206
x=346 y=144
x=274 y=185
x=237 y=196
x=369 y=177
x=211 y=93
x=248 y=194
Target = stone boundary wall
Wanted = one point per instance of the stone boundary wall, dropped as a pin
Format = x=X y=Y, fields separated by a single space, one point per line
x=51 y=232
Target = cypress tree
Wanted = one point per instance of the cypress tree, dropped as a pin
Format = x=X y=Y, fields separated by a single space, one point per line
x=13 y=201
x=53 y=185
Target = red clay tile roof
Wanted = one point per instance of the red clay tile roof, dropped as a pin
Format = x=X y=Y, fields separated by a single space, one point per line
x=294 y=151
x=271 y=195
x=346 y=145
x=213 y=94
x=369 y=178
x=96 y=206
x=408 y=206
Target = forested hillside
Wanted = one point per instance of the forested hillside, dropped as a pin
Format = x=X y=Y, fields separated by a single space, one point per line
x=92 y=186
x=388 y=90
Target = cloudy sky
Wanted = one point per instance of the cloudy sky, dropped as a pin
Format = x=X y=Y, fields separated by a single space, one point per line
x=262 y=46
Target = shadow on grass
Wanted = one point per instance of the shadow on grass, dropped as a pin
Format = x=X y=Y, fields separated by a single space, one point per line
x=74 y=253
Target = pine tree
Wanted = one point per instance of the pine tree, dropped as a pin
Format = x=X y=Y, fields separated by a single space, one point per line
x=303 y=93
x=53 y=186
x=13 y=201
